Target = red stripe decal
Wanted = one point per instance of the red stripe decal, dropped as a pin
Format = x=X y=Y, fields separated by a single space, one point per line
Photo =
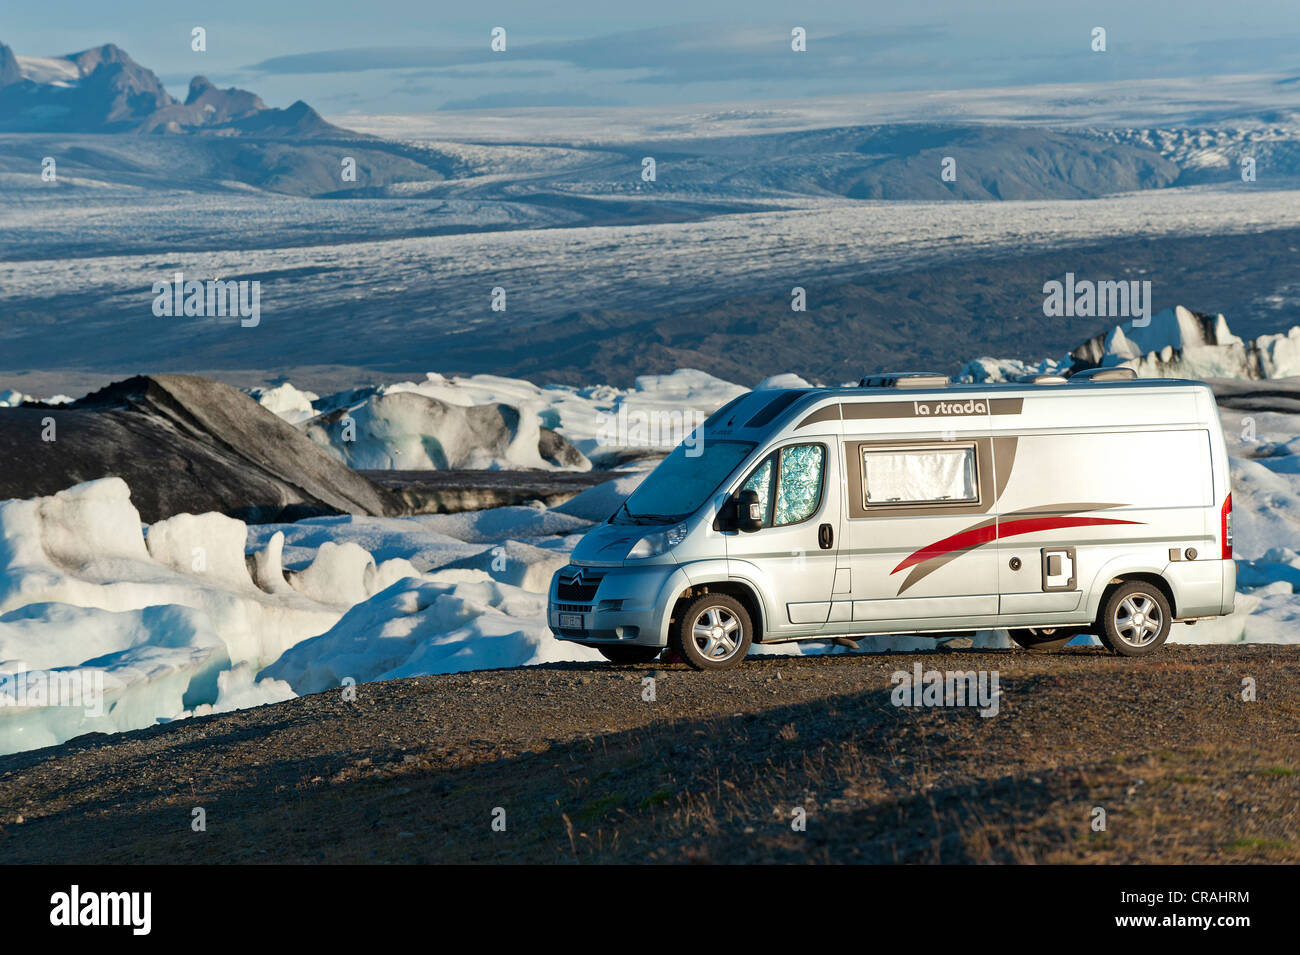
x=982 y=535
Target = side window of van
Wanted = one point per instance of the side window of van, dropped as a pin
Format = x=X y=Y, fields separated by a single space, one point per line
x=799 y=483
x=921 y=475
x=761 y=481
x=789 y=484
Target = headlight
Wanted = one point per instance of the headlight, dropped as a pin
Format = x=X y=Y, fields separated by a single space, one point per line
x=652 y=545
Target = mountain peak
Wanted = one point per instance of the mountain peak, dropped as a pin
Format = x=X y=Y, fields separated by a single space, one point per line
x=90 y=60
x=198 y=86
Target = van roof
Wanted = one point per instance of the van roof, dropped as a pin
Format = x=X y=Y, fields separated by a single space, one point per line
x=759 y=410
x=1077 y=385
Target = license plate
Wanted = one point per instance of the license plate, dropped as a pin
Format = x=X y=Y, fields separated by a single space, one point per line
x=571 y=621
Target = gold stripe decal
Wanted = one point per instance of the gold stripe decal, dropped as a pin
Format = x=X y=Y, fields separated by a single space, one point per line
x=932 y=408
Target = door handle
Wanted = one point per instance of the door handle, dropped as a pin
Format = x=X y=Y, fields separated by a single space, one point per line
x=825 y=536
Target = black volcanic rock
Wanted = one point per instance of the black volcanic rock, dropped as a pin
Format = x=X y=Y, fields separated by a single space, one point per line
x=205 y=106
x=120 y=95
x=183 y=445
x=224 y=104
x=299 y=120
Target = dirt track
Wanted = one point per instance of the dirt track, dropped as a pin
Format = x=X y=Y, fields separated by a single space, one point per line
x=712 y=770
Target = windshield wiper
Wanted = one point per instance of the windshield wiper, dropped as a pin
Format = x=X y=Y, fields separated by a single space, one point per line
x=641 y=519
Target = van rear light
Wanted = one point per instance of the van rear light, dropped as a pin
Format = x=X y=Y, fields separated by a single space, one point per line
x=1225 y=527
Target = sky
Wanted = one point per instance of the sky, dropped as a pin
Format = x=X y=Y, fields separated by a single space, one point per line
x=402 y=56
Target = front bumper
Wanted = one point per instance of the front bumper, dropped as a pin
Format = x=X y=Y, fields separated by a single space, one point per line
x=615 y=605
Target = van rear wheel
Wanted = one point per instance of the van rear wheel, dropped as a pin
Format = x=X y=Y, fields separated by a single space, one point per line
x=1135 y=619
x=713 y=632
x=1044 y=638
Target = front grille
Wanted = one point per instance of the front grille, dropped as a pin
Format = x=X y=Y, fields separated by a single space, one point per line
x=578 y=584
x=573 y=608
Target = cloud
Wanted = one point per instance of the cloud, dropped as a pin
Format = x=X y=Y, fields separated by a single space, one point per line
x=360 y=59
x=682 y=54
x=525 y=98
x=489 y=72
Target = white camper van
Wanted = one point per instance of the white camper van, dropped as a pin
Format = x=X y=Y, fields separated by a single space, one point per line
x=1098 y=504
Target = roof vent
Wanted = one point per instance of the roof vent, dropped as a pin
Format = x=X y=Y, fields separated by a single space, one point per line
x=1119 y=373
x=1041 y=379
x=905 y=379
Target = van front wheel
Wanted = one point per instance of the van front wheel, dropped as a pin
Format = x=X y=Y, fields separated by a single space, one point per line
x=1135 y=619
x=713 y=632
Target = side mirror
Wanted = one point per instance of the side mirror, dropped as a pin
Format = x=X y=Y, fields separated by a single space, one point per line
x=749 y=511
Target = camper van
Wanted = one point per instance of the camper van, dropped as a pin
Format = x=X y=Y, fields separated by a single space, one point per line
x=1049 y=507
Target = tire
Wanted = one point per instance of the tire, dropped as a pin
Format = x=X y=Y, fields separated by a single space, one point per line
x=1044 y=638
x=629 y=655
x=1135 y=619
x=713 y=632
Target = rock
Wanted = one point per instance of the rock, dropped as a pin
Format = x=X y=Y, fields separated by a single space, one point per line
x=183 y=445
x=558 y=450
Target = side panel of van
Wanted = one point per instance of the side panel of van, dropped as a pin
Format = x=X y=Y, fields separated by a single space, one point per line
x=1074 y=503
x=914 y=502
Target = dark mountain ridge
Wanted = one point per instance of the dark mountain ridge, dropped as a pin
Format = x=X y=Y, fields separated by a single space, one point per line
x=103 y=90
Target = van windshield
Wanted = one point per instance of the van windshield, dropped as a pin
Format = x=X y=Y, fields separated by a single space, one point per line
x=682 y=482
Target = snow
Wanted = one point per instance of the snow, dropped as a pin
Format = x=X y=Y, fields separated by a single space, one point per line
x=457 y=422
x=181 y=618
x=517 y=563
x=346 y=574
x=407 y=430
x=1279 y=355
x=1143 y=103
x=501 y=522
x=448 y=622
x=1174 y=344
x=55 y=70
x=782 y=381
x=239 y=688
x=993 y=370
x=119 y=671
x=287 y=401
x=12 y=399
x=384 y=537
x=597 y=503
x=83 y=591
x=1264 y=458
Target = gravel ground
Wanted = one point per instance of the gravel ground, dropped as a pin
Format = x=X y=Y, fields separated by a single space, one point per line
x=578 y=766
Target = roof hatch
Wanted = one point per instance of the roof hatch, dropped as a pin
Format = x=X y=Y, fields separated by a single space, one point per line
x=1118 y=373
x=905 y=379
